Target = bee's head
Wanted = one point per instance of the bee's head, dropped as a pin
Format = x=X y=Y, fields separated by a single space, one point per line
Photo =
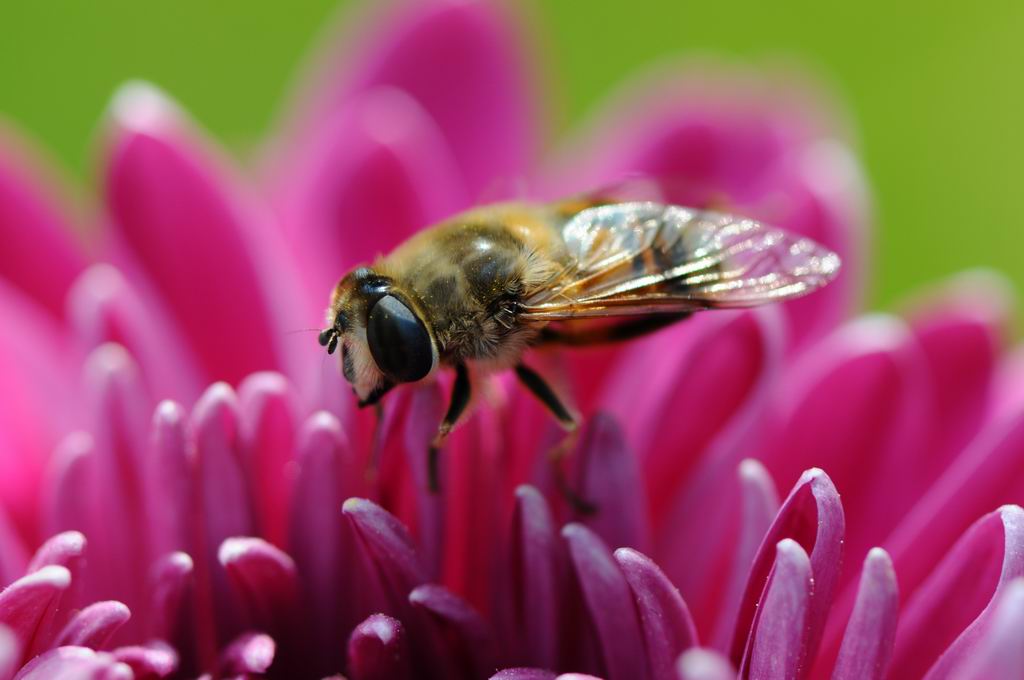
x=383 y=335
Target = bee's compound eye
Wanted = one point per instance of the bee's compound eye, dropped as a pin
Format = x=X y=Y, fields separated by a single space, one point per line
x=398 y=341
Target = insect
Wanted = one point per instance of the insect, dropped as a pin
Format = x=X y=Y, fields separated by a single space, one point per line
x=482 y=287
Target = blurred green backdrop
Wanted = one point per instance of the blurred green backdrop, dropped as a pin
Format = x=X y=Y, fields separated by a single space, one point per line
x=935 y=93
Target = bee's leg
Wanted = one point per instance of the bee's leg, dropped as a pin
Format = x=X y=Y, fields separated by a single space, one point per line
x=456 y=406
x=609 y=333
x=540 y=389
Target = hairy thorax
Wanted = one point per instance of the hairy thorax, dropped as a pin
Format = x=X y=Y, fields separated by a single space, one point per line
x=471 y=274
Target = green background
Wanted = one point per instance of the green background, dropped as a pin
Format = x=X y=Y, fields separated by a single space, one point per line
x=935 y=94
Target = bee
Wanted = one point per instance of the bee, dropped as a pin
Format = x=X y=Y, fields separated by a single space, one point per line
x=482 y=287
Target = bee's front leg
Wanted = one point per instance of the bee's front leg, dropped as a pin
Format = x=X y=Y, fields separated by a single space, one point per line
x=569 y=422
x=456 y=407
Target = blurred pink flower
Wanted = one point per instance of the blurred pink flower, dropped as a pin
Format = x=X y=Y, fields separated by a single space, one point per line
x=224 y=531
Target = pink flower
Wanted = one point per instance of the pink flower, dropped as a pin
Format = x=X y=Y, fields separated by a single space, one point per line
x=225 y=530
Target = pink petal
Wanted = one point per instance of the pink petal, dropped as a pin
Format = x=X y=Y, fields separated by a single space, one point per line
x=38 y=402
x=67 y=498
x=377 y=173
x=987 y=472
x=95 y=625
x=150 y=661
x=704 y=664
x=319 y=541
x=461 y=60
x=171 y=580
x=871 y=631
x=74 y=663
x=466 y=643
x=40 y=256
x=29 y=605
x=523 y=674
x=812 y=515
x=10 y=652
x=607 y=475
x=201 y=246
x=760 y=504
x=103 y=307
x=942 y=621
x=872 y=446
x=665 y=621
x=64 y=550
x=170 y=504
x=268 y=415
x=780 y=629
x=716 y=365
x=377 y=650
x=1000 y=652
x=121 y=411
x=961 y=331
x=13 y=555
x=264 y=581
x=388 y=544
x=609 y=603
x=532 y=596
x=248 y=653
x=223 y=497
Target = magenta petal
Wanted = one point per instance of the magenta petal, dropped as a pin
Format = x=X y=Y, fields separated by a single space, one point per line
x=171 y=579
x=388 y=543
x=868 y=641
x=248 y=653
x=197 y=242
x=609 y=603
x=74 y=663
x=377 y=650
x=462 y=61
x=466 y=638
x=264 y=580
x=533 y=597
x=94 y=626
x=268 y=414
x=38 y=401
x=223 y=493
x=380 y=171
x=812 y=515
x=13 y=555
x=40 y=254
x=960 y=332
x=523 y=674
x=150 y=661
x=999 y=653
x=170 y=505
x=67 y=498
x=665 y=621
x=608 y=475
x=941 y=623
x=760 y=504
x=64 y=550
x=990 y=470
x=103 y=307
x=28 y=604
x=121 y=411
x=10 y=652
x=319 y=540
x=704 y=664
x=780 y=627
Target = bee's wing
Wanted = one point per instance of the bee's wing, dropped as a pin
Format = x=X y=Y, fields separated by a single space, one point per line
x=640 y=258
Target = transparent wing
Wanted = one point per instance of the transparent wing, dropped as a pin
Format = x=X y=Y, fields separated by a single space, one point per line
x=640 y=258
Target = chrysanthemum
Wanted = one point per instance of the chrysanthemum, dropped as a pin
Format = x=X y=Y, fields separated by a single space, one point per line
x=154 y=526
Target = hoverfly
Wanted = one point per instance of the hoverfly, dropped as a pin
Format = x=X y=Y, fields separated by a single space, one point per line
x=484 y=286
